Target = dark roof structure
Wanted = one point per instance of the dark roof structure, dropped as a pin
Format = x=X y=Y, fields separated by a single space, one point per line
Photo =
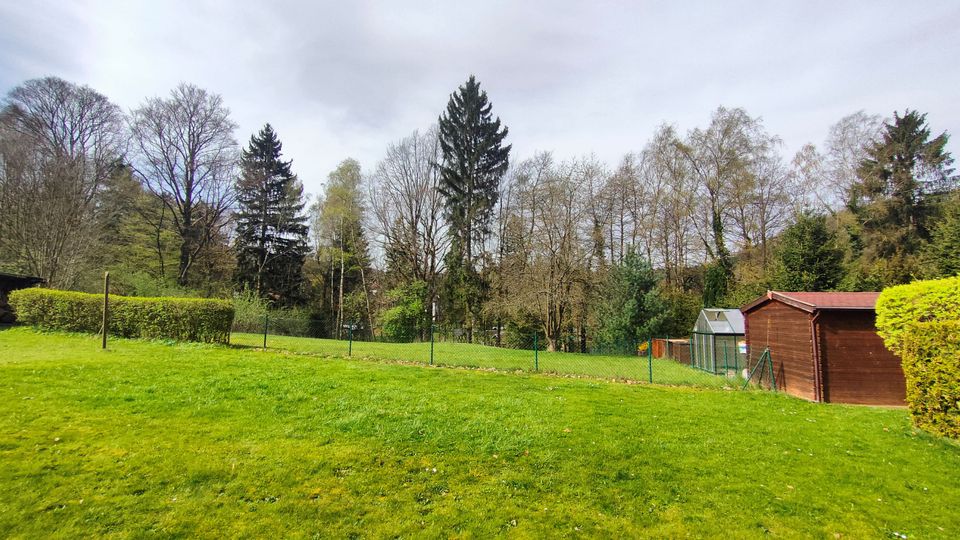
x=10 y=282
x=815 y=301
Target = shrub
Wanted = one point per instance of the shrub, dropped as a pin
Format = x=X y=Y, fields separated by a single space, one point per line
x=406 y=319
x=183 y=319
x=249 y=310
x=931 y=364
x=293 y=322
x=900 y=307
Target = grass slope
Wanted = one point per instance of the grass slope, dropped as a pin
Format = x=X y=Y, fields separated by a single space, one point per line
x=664 y=371
x=201 y=440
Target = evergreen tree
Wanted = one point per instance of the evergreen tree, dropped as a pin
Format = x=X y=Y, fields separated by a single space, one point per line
x=892 y=196
x=716 y=280
x=633 y=308
x=943 y=251
x=474 y=160
x=271 y=242
x=809 y=258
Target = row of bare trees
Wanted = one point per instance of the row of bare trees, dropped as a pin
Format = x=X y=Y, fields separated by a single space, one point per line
x=683 y=201
x=63 y=145
x=59 y=145
x=703 y=207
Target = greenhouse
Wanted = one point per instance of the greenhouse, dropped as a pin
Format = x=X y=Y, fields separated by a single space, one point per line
x=718 y=342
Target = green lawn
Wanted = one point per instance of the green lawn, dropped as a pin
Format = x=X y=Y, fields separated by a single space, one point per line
x=636 y=368
x=154 y=439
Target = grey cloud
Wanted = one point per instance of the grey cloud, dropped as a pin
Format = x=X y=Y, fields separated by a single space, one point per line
x=345 y=79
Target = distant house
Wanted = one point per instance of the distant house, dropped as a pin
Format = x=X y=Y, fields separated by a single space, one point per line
x=714 y=345
x=12 y=282
x=824 y=346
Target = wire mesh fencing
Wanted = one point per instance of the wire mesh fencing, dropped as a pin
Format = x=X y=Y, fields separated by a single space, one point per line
x=659 y=361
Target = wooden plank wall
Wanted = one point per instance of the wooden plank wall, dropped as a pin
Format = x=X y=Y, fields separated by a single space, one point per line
x=680 y=352
x=786 y=330
x=674 y=349
x=857 y=367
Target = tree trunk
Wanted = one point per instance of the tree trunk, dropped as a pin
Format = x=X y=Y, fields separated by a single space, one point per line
x=366 y=296
x=163 y=210
x=186 y=257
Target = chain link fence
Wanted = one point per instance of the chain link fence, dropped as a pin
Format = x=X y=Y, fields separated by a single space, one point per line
x=659 y=361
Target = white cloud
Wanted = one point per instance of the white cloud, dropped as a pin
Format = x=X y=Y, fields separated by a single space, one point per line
x=347 y=78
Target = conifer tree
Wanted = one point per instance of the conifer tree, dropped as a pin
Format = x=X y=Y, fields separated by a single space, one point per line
x=943 y=251
x=632 y=308
x=809 y=258
x=893 y=195
x=271 y=242
x=474 y=160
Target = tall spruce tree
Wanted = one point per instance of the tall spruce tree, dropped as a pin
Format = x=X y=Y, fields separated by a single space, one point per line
x=474 y=161
x=892 y=197
x=271 y=242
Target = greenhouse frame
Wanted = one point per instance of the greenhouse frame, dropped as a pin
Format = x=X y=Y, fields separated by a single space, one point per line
x=718 y=341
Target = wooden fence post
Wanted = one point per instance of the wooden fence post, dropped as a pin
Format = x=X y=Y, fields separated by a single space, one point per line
x=106 y=307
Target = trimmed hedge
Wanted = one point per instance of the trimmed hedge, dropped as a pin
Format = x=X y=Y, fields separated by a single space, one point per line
x=182 y=319
x=920 y=322
x=931 y=364
x=900 y=307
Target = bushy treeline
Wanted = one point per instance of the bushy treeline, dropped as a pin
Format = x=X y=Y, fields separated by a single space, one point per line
x=450 y=228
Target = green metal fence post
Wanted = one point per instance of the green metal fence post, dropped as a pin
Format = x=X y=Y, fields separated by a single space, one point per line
x=693 y=356
x=726 y=364
x=773 y=379
x=736 y=355
x=350 y=340
x=536 y=353
x=650 y=358
x=266 y=323
x=431 y=343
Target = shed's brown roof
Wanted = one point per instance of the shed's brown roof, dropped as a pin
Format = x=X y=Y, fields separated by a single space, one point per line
x=813 y=301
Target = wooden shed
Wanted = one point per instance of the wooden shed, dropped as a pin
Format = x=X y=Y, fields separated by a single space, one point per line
x=824 y=346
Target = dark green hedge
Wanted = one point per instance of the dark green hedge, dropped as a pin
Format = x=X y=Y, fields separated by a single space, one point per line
x=900 y=307
x=931 y=364
x=182 y=319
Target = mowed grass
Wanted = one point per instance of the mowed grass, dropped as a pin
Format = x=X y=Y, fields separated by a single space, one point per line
x=637 y=368
x=187 y=440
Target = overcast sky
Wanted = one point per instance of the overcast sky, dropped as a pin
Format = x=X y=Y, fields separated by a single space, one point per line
x=344 y=79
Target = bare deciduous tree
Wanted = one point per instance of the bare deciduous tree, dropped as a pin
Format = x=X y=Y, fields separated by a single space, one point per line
x=59 y=143
x=407 y=210
x=548 y=257
x=673 y=225
x=186 y=155
x=826 y=177
x=847 y=144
